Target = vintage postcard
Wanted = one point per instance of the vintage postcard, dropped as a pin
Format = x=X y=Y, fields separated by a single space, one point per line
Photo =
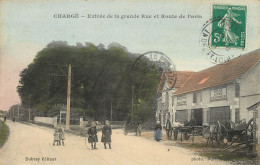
x=129 y=82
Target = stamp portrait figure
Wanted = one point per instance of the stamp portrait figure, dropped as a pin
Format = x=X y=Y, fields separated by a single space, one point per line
x=226 y=24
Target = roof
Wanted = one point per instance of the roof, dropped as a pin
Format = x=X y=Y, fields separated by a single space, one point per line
x=182 y=76
x=220 y=74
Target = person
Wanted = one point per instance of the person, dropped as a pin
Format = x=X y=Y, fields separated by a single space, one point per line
x=5 y=119
x=14 y=119
x=138 y=130
x=168 y=129
x=61 y=135
x=92 y=135
x=106 y=135
x=158 y=131
x=56 y=137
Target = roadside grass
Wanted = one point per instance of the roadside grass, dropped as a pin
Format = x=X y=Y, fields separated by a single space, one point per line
x=4 y=133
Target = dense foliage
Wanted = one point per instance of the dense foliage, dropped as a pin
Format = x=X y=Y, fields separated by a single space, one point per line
x=99 y=77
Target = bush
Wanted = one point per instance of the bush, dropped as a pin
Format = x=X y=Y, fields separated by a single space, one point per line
x=4 y=133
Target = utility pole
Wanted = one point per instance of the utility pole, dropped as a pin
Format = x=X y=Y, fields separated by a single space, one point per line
x=18 y=112
x=68 y=99
x=29 y=113
x=132 y=113
x=13 y=111
x=111 y=110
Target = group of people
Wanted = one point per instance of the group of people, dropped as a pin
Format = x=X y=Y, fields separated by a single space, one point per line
x=59 y=136
x=106 y=135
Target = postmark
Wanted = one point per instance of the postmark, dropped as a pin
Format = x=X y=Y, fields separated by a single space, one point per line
x=223 y=37
x=160 y=61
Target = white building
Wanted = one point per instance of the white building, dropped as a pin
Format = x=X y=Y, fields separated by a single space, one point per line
x=220 y=93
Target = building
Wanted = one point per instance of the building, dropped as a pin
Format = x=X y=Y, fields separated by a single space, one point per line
x=165 y=94
x=220 y=93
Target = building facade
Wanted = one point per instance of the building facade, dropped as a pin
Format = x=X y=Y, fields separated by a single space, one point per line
x=220 y=93
x=165 y=101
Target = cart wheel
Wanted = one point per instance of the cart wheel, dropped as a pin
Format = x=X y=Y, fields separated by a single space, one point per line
x=221 y=133
x=186 y=135
x=249 y=132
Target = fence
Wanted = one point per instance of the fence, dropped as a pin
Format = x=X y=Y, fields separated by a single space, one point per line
x=46 y=120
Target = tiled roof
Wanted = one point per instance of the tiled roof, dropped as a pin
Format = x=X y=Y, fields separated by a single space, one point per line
x=182 y=76
x=220 y=74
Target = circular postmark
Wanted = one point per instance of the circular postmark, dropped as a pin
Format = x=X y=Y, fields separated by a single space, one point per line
x=160 y=61
x=222 y=39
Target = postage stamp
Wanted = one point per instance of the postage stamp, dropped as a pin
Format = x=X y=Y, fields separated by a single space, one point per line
x=223 y=36
x=230 y=30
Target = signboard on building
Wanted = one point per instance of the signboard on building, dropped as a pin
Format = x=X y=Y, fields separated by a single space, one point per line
x=181 y=100
x=218 y=94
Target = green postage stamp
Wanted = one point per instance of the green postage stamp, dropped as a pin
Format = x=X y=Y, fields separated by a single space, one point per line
x=229 y=27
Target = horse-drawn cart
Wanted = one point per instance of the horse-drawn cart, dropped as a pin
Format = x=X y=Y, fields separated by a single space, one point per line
x=189 y=128
x=132 y=127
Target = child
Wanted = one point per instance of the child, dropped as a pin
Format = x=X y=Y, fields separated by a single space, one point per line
x=56 y=137
x=61 y=135
x=106 y=135
x=92 y=135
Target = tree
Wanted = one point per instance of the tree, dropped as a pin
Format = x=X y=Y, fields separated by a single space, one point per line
x=99 y=76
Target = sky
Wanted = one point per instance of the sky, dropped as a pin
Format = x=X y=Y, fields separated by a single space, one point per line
x=27 y=26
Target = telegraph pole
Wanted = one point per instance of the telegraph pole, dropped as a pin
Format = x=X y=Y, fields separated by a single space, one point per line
x=68 y=99
x=111 y=111
x=18 y=112
x=132 y=113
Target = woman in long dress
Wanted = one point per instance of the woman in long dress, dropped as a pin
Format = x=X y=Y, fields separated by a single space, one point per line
x=158 y=131
x=106 y=135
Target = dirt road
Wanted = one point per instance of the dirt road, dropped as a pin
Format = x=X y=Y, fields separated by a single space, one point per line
x=31 y=144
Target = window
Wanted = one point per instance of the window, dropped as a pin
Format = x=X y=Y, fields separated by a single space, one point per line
x=181 y=116
x=172 y=100
x=237 y=115
x=237 y=90
x=195 y=97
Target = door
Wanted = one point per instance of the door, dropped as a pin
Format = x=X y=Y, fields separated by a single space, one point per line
x=221 y=114
x=197 y=114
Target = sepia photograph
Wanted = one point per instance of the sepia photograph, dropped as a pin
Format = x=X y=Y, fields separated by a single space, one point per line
x=129 y=82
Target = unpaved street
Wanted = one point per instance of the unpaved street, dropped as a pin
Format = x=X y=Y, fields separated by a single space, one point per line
x=31 y=141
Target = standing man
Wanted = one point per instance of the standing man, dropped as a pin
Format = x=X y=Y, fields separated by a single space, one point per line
x=106 y=134
x=169 y=129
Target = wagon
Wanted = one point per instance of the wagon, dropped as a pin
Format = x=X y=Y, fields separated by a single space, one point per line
x=190 y=128
x=230 y=132
x=135 y=127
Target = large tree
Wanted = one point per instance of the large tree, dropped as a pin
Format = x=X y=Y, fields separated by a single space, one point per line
x=100 y=78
